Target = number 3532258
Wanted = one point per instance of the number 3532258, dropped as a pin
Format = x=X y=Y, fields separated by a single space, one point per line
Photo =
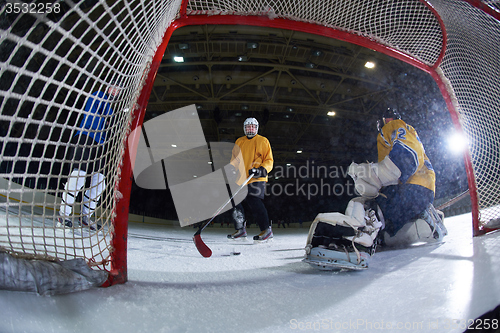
x=32 y=8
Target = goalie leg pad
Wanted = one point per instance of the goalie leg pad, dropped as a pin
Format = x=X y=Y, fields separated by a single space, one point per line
x=426 y=227
x=338 y=241
x=326 y=233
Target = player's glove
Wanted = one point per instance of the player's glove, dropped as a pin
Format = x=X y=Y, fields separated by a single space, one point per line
x=369 y=178
x=258 y=172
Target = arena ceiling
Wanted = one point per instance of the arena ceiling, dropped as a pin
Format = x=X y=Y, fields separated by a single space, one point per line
x=289 y=81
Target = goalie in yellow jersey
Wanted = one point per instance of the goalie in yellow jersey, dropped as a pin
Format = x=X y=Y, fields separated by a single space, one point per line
x=395 y=204
x=411 y=190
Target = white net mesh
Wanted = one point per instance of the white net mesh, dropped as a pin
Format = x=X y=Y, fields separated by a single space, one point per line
x=472 y=66
x=52 y=63
x=53 y=58
x=404 y=25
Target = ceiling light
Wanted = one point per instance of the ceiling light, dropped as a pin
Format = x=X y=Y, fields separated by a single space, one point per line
x=243 y=58
x=244 y=107
x=299 y=151
x=195 y=78
x=330 y=113
x=309 y=65
x=183 y=46
x=228 y=78
x=370 y=64
x=316 y=53
x=175 y=146
x=252 y=45
x=178 y=59
x=289 y=109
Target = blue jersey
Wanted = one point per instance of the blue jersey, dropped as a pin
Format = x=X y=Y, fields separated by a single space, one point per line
x=97 y=110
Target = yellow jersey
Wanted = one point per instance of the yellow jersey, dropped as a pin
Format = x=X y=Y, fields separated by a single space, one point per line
x=401 y=142
x=252 y=153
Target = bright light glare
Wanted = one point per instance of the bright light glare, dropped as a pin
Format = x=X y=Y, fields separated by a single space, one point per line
x=179 y=59
x=331 y=113
x=369 y=64
x=457 y=143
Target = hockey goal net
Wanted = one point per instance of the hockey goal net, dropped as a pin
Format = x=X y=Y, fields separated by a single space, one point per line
x=55 y=55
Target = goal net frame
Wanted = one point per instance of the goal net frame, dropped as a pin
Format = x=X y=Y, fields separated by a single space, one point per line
x=42 y=109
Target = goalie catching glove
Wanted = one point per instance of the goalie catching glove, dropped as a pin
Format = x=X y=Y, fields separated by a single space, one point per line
x=369 y=178
x=258 y=172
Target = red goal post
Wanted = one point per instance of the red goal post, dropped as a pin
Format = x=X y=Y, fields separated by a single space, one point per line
x=52 y=63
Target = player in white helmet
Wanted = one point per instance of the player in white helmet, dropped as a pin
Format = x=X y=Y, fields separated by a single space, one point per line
x=250 y=127
x=252 y=155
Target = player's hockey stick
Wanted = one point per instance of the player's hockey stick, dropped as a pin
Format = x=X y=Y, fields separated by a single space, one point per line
x=200 y=244
x=453 y=200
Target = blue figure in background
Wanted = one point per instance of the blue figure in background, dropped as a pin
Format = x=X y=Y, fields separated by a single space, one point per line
x=86 y=155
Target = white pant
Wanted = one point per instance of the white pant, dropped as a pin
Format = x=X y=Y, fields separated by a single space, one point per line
x=76 y=181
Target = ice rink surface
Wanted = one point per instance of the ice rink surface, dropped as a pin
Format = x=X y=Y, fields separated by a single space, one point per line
x=267 y=288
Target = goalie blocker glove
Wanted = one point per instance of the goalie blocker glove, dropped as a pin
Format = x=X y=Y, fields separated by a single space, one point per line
x=258 y=172
x=369 y=178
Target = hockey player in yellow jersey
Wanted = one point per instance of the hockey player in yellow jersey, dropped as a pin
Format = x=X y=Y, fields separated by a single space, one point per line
x=252 y=151
x=403 y=177
x=413 y=193
x=395 y=206
x=401 y=143
x=252 y=155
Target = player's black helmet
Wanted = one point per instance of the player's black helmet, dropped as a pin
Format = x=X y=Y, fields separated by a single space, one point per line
x=386 y=116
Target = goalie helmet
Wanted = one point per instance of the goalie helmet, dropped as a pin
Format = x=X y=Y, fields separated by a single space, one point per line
x=250 y=127
x=388 y=115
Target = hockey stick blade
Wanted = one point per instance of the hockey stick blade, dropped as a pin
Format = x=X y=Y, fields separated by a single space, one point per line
x=198 y=242
x=201 y=246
